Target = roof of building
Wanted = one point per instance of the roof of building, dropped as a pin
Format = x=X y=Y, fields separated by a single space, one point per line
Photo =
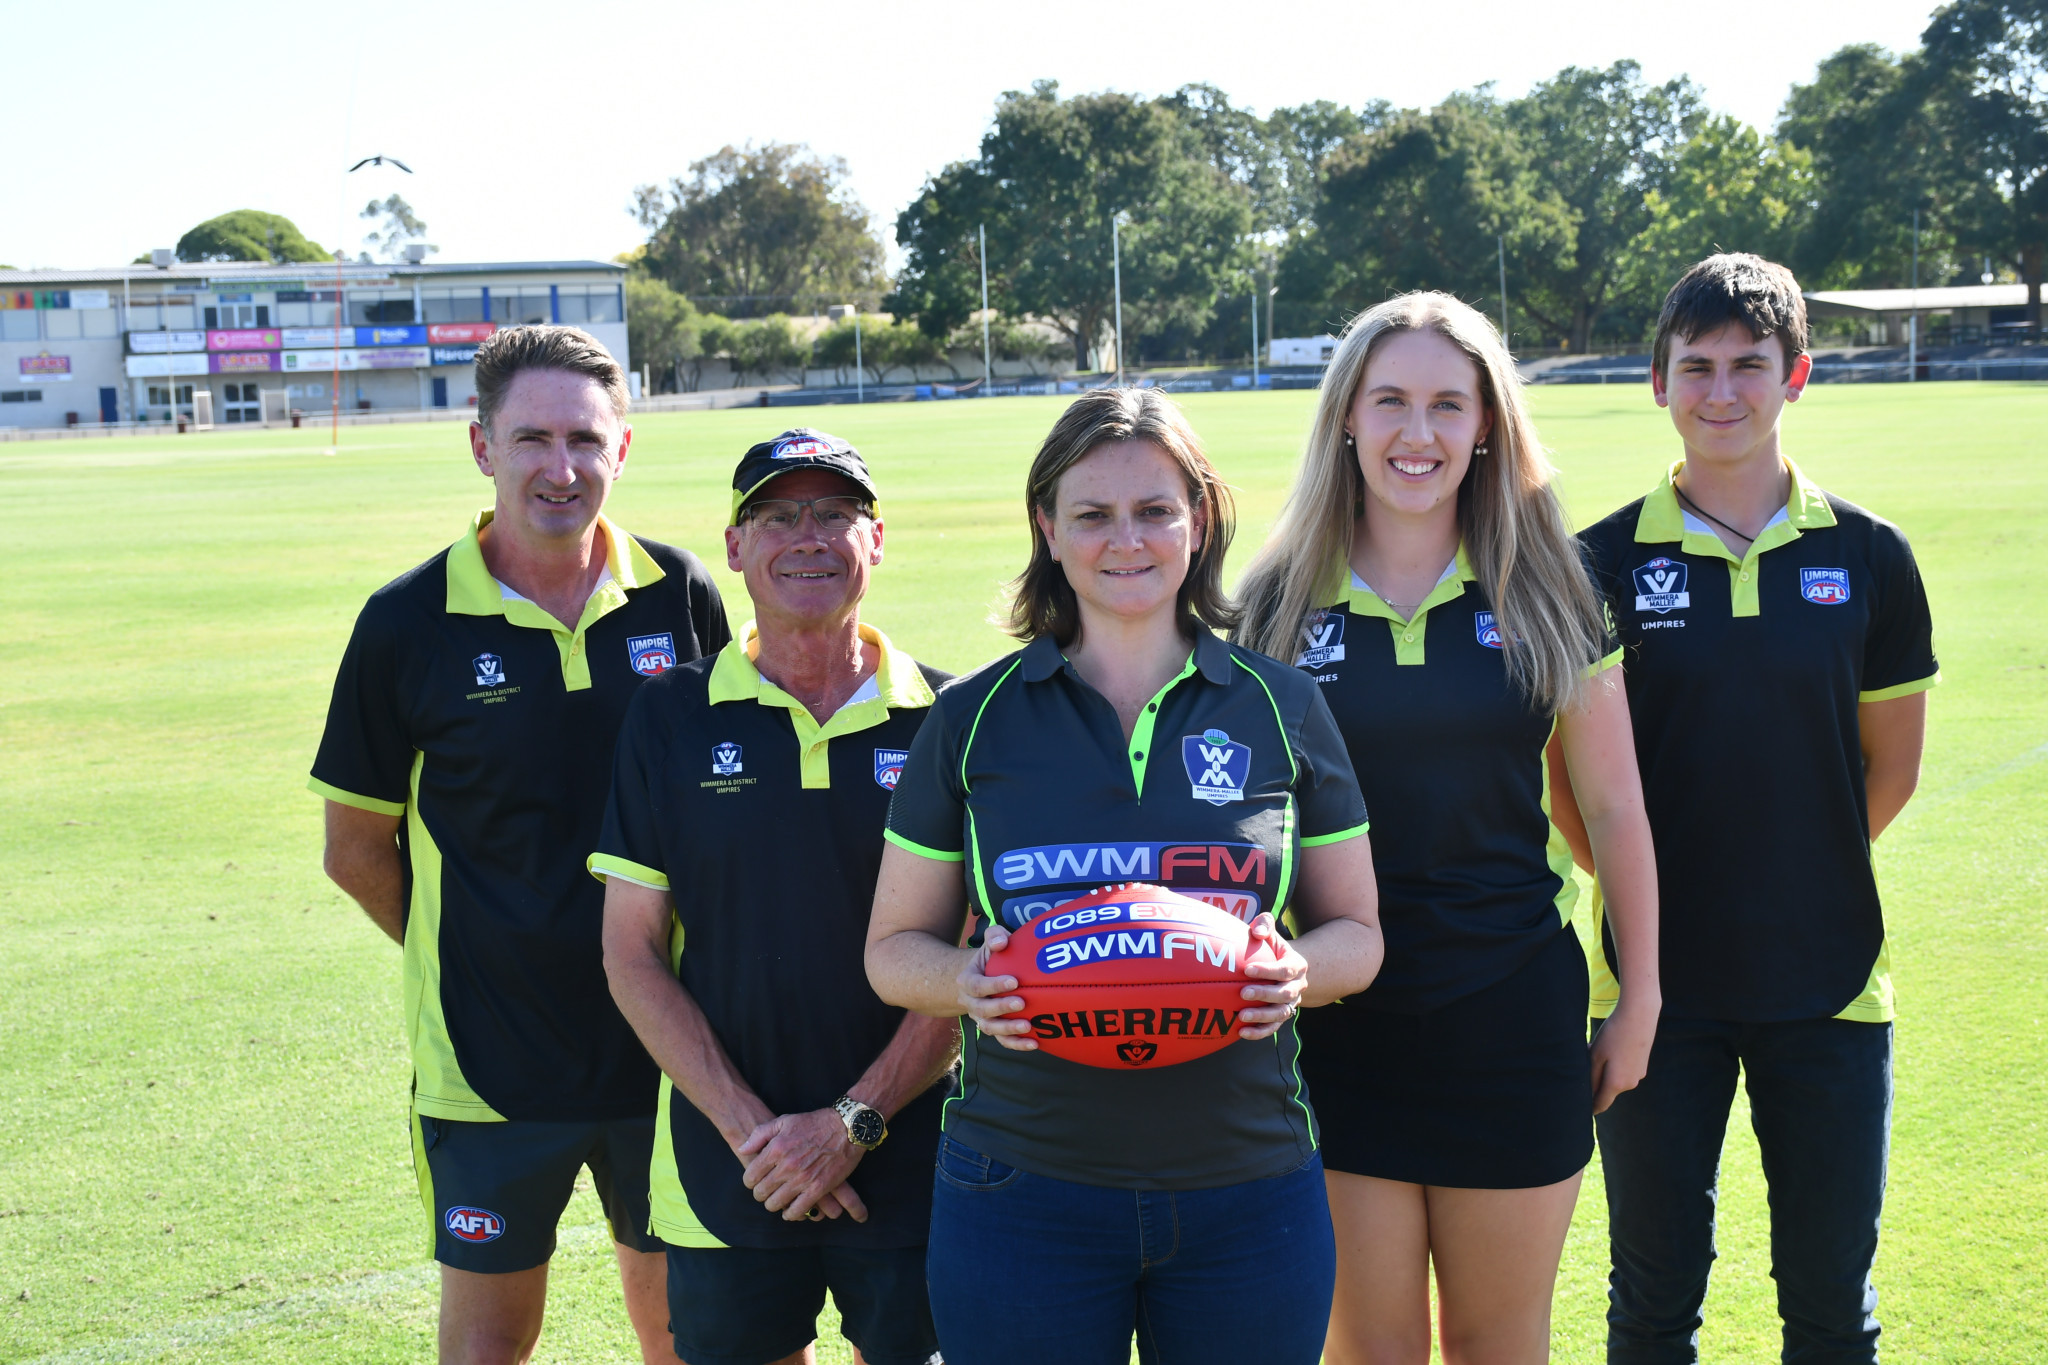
x=1920 y=300
x=310 y=273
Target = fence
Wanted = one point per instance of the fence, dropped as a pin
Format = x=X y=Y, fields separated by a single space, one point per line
x=1839 y=371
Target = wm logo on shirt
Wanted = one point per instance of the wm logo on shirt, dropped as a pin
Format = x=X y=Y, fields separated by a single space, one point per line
x=1217 y=768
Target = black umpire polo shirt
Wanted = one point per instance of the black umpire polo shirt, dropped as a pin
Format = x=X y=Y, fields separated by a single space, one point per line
x=766 y=829
x=1744 y=675
x=1474 y=878
x=1024 y=774
x=488 y=725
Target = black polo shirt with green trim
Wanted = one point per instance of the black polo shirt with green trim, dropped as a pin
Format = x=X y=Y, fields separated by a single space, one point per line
x=765 y=827
x=488 y=725
x=1024 y=774
x=1744 y=675
x=1474 y=878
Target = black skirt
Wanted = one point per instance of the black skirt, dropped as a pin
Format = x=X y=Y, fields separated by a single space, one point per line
x=1492 y=1091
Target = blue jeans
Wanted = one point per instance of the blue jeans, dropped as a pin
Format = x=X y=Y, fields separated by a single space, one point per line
x=1025 y=1269
x=1820 y=1100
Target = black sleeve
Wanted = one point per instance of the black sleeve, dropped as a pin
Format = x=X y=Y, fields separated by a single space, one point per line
x=707 y=612
x=366 y=751
x=1326 y=788
x=630 y=846
x=928 y=811
x=1898 y=652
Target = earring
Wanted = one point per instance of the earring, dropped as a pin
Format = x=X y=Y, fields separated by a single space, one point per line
x=1349 y=439
x=1478 y=450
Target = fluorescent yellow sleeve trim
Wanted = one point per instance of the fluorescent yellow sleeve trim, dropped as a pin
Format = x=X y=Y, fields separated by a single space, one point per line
x=1594 y=670
x=1318 y=840
x=605 y=866
x=1905 y=689
x=340 y=797
x=920 y=850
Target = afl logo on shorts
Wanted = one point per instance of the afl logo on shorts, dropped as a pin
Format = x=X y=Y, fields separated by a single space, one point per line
x=1824 y=587
x=1488 y=631
x=651 y=655
x=889 y=767
x=473 y=1224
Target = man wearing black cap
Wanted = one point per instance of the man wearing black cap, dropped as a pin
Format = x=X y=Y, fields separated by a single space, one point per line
x=799 y=1114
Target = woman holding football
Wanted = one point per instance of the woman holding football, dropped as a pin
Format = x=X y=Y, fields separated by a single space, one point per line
x=1075 y=1205
x=1423 y=574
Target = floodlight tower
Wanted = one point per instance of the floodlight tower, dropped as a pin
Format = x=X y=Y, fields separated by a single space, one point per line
x=334 y=432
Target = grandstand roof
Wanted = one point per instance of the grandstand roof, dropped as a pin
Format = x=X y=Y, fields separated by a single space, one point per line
x=313 y=273
x=1919 y=300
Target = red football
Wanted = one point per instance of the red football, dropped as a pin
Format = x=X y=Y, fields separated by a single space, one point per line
x=1132 y=976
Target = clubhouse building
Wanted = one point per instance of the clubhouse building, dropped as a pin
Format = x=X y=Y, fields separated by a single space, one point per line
x=140 y=343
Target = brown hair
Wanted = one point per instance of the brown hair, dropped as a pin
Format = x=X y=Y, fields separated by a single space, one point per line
x=1042 y=601
x=1509 y=518
x=1733 y=287
x=509 y=350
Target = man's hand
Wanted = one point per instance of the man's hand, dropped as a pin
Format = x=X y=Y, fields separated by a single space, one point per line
x=797 y=1163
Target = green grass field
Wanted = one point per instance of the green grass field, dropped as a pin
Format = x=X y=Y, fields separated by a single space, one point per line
x=203 y=1152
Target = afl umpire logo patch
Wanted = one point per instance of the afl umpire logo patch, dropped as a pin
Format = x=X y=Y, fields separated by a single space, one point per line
x=1824 y=587
x=1322 y=639
x=1486 y=628
x=725 y=758
x=473 y=1224
x=796 y=447
x=1660 y=586
x=490 y=670
x=1217 y=768
x=652 y=655
x=889 y=767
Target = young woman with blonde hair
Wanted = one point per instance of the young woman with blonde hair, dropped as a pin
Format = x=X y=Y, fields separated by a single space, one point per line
x=1422 y=571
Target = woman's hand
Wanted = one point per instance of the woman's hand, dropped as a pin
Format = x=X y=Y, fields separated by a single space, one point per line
x=1621 y=1050
x=1272 y=1005
x=985 y=1000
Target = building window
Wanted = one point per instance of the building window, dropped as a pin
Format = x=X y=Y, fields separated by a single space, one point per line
x=452 y=305
x=160 y=397
x=21 y=396
x=379 y=307
x=510 y=308
x=17 y=324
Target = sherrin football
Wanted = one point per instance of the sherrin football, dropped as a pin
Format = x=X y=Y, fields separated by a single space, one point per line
x=1132 y=976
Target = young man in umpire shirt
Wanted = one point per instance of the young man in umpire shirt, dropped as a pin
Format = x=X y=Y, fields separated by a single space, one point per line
x=1778 y=658
x=799 y=1114
x=465 y=763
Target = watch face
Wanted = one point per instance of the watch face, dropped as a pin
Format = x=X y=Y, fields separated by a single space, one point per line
x=867 y=1128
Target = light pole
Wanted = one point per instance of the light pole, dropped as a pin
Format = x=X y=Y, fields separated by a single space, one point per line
x=1913 y=320
x=860 y=387
x=987 y=368
x=1255 y=333
x=1501 y=245
x=1116 y=265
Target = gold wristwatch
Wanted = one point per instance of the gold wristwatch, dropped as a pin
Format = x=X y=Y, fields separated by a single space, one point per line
x=865 y=1127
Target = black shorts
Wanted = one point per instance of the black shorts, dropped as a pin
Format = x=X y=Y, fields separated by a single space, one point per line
x=1492 y=1091
x=748 y=1305
x=494 y=1191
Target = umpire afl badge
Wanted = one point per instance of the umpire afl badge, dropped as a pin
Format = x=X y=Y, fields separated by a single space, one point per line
x=490 y=670
x=1660 y=586
x=1824 y=587
x=725 y=758
x=652 y=655
x=889 y=767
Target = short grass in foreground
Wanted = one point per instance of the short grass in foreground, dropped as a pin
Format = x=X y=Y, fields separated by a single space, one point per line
x=202 y=1089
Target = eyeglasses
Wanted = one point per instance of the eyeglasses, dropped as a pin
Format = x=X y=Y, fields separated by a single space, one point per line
x=783 y=514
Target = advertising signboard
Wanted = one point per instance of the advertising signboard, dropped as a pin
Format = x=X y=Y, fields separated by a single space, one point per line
x=160 y=366
x=375 y=358
x=248 y=339
x=311 y=338
x=454 y=355
x=391 y=336
x=243 y=362
x=157 y=343
x=45 y=368
x=90 y=298
x=459 y=333
x=315 y=361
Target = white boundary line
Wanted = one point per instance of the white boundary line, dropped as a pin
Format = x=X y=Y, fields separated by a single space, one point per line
x=202 y=1331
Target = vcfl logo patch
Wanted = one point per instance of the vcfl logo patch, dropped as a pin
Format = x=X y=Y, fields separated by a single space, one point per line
x=490 y=670
x=1322 y=639
x=473 y=1224
x=1660 y=586
x=1217 y=768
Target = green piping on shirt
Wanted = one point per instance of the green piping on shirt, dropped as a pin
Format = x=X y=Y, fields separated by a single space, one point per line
x=919 y=849
x=1318 y=840
x=1141 y=733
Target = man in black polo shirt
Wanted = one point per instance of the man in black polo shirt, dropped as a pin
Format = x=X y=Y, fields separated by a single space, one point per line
x=740 y=852
x=465 y=761
x=1778 y=658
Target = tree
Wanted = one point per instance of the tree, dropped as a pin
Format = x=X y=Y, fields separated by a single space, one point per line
x=1009 y=339
x=1418 y=203
x=663 y=329
x=764 y=346
x=1602 y=141
x=1728 y=189
x=400 y=227
x=1051 y=176
x=249 y=235
x=761 y=230
x=1988 y=60
x=884 y=344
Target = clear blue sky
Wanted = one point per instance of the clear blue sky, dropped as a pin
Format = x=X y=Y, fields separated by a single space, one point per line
x=528 y=124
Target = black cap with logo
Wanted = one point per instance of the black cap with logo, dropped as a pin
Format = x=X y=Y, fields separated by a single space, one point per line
x=797 y=448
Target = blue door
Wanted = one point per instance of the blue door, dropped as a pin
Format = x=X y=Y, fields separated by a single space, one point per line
x=440 y=391
x=110 y=405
